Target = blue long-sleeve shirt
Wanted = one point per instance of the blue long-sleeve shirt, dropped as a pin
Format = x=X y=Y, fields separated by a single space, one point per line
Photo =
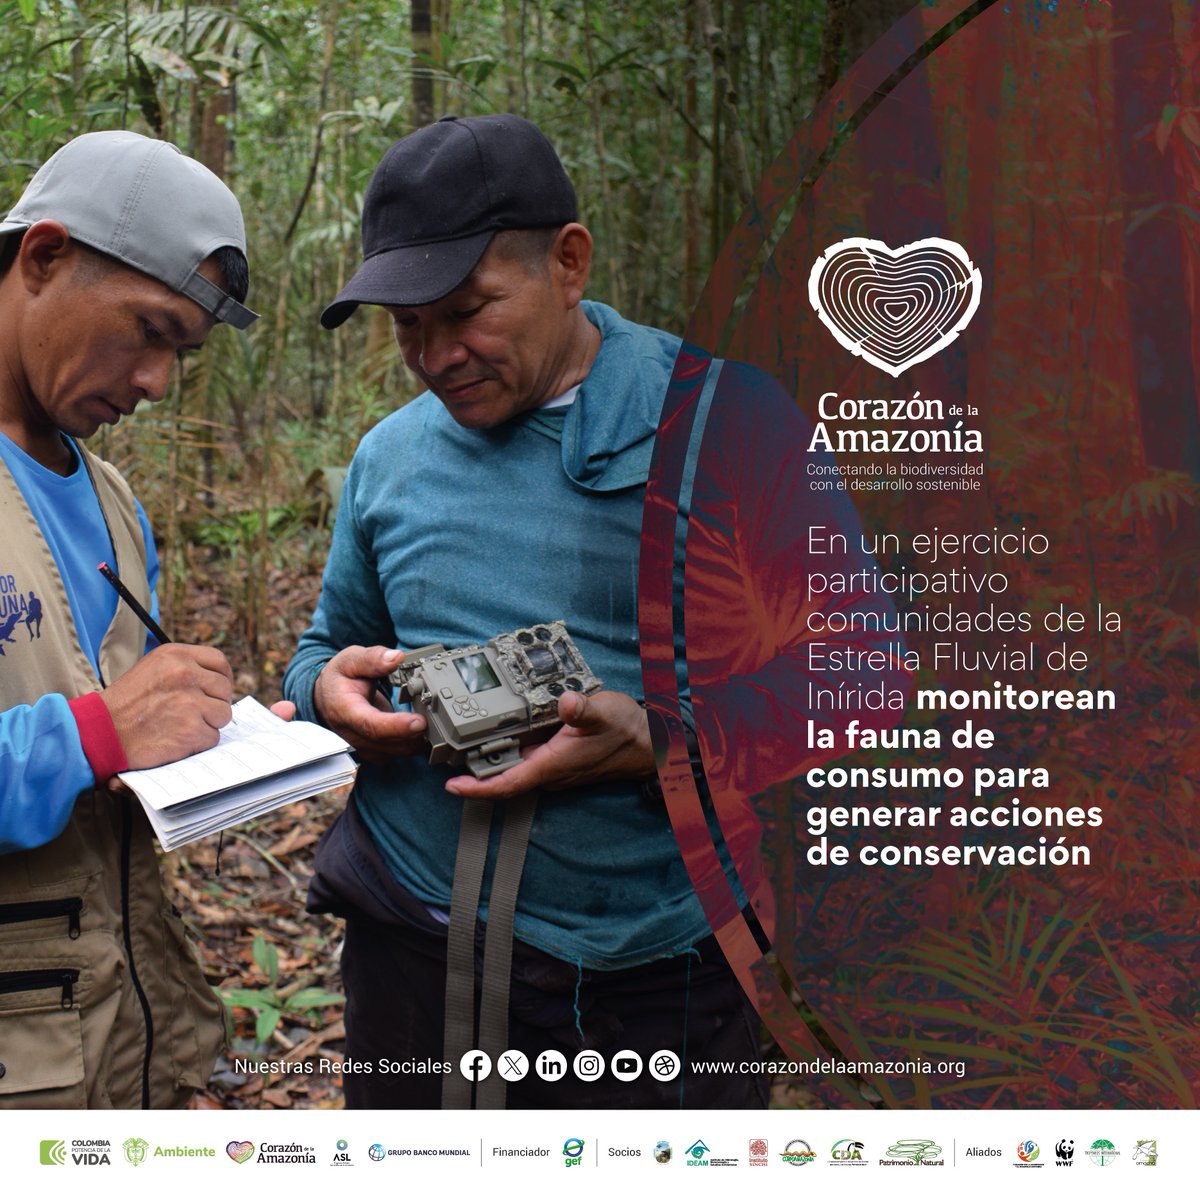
x=451 y=535
x=42 y=763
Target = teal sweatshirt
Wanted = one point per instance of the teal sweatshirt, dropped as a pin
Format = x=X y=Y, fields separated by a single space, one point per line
x=453 y=535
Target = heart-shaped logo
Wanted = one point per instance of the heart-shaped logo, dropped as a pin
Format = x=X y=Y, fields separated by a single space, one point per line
x=240 y=1151
x=895 y=307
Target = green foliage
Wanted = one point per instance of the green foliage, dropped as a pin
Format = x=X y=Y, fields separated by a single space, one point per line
x=270 y=1004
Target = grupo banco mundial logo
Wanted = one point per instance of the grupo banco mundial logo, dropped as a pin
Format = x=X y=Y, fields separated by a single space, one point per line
x=1028 y=1152
x=573 y=1152
x=894 y=308
x=914 y=1152
x=377 y=1152
x=798 y=1153
x=1102 y=1152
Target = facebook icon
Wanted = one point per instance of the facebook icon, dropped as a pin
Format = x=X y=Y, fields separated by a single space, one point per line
x=475 y=1066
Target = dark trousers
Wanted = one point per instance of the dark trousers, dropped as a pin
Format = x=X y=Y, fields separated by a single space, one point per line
x=394 y=974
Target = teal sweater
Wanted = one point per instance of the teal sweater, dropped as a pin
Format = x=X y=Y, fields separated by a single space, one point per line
x=452 y=535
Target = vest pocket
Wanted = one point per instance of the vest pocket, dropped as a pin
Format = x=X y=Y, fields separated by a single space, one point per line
x=41 y=1040
x=195 y=1032
x=67 y=909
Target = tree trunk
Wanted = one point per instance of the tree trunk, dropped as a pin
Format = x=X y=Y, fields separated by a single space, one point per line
x=1160 y=315
x=422 y=78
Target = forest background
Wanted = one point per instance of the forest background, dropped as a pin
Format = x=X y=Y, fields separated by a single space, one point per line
x=667 y=116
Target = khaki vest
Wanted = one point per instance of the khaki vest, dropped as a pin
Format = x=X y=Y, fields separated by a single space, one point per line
x=102 y=1001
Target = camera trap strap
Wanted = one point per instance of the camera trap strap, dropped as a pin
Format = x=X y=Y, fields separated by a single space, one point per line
x=474 y=834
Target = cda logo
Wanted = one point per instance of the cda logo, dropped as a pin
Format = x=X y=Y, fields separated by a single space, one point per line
x=573 y=1152
x=847 y=1153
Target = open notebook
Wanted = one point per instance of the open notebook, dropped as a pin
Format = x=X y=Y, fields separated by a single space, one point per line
x=260 y=764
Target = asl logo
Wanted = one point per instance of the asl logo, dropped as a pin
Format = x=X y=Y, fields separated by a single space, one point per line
x=240 y=1151
x=894 y=308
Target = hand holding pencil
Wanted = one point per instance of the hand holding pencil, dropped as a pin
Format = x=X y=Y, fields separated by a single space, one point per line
x=175 y=700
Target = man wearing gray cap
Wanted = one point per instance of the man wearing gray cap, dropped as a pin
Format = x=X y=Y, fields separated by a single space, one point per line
x=511 y=492
x=120 y=256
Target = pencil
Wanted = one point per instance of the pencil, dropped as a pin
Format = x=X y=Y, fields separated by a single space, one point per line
x=130 y=599
x=138 y=611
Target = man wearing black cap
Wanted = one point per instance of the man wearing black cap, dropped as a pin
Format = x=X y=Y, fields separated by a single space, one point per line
x=121 y=254
x=510 y=492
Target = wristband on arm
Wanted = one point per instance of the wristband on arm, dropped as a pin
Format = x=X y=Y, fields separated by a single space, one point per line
x=98 y=736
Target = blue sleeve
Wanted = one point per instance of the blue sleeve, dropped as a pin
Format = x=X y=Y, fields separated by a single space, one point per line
x=352 y=610
x=42 y=770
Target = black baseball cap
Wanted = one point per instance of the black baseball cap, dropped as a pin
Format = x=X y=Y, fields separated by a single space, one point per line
x=439 y=197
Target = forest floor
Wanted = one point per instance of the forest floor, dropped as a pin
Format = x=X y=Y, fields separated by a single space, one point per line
x=246 y=911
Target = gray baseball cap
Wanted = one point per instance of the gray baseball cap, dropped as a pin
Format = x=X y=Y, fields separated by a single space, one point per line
x=145 y=203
